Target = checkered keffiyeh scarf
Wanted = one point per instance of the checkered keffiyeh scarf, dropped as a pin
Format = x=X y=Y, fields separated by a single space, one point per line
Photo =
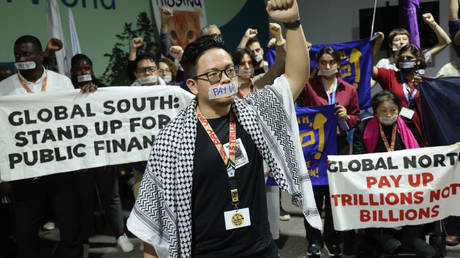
x=164 y=204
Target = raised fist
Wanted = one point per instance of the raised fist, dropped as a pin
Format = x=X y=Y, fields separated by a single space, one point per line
x=176 y=52
x=166 y=14
x=137 y=42
x=275 y=29
x=54 y=44
x=283 y=10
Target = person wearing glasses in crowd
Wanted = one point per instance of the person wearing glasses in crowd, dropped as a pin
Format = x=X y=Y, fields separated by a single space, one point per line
x=204 y=179
x=146 y=72
x=167 y=70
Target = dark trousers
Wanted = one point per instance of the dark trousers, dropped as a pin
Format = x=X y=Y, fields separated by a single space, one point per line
x=6 y=244
x=30 y=198
x=330 y=236
x=106 y=179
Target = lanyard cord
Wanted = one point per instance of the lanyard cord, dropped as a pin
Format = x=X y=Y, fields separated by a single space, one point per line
x=229 y=160
x=331 y=100
x=24 y=84
x=385 y=140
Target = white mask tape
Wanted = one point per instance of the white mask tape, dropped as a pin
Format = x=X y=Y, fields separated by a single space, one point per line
x=148 y=79
x=246 y=73
x=84 y=78
x=388 y=120
x=167 y=78
x=327 y=72
x=397 y=48
x=258 y=58
x=28 y=65
x=407 y=64
x=224 y=90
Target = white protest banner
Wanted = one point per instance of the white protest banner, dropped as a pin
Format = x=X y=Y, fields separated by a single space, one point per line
x=188 y=19
x=55 y=132
x=392 y=189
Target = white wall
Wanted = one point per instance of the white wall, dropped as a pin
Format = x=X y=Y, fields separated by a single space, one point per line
x=330 y=21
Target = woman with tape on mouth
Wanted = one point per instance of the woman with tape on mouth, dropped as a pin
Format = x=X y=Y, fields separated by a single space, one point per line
x=105 y=177
x=404 y=82
x=81 y=72
x=386 y=131
x=328 y=88
x=167 y=71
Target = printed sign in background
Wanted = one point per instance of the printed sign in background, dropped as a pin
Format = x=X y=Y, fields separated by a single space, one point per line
x=56 y=132
x=318 y=137
x=355 y=67
x=188 y=19
x=393 y=189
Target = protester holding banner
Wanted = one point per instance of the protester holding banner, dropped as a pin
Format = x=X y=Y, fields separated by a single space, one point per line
x=106 y=178
x=403 y=82
x=81 y=72
x=386 y=132
x=329 y=89
x=218 y=199
x=31 y=196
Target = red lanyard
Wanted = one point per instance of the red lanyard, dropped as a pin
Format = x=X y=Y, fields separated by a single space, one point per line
x=242 y=93
x=24 y=84
x=215 y=140
x=220 y=148
x=384 y=138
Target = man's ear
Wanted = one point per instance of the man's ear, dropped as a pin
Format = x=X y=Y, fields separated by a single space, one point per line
x=192 y=85
x=41 y=57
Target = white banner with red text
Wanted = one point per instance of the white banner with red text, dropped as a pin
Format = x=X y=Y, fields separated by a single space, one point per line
x=393 y=189
x=55 y=132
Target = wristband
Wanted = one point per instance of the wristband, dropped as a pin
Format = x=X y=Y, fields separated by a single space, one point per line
x=293 y=24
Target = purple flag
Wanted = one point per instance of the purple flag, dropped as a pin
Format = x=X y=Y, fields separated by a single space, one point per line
x=408 y=10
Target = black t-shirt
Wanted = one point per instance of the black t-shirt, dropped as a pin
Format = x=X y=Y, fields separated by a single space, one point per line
x=211 y=197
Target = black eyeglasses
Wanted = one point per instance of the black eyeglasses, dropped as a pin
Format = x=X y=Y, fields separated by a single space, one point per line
x=151 y=69
x=216 y=76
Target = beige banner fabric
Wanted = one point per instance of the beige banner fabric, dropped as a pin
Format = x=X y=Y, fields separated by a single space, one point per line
x=393 y=189
x=56 y=132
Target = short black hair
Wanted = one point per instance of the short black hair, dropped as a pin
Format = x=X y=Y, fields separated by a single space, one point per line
x=29 y=39
x=238 y=54
x=194 y=50
x=252 y=40
x=382 y=96
x=416 y=52
x=146 y=56
x=80 y=58
x=330 y=51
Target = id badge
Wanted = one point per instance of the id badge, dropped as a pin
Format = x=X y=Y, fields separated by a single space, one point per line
x=241 y=157
x=235 y=219
x=407 y=113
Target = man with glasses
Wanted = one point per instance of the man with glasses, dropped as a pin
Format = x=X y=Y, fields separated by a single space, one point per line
x=203 y=194
x=147 y=71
